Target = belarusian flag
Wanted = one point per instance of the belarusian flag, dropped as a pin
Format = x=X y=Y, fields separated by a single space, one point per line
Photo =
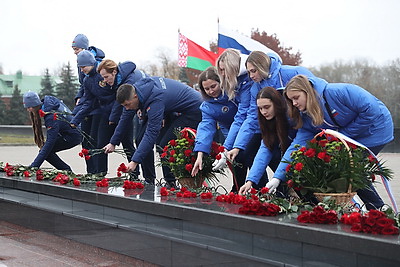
x=194 y=56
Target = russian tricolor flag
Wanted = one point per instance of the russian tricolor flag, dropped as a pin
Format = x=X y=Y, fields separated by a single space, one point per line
x=231 y=39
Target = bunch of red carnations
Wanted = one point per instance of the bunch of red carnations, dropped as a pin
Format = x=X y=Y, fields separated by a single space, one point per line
x=374 y=222
x=318 y=215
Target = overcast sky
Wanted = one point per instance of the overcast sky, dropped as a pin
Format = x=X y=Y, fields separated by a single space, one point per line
x=37 y=34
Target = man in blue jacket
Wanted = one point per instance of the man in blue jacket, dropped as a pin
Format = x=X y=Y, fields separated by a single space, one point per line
x=157 y=98
x=90 y=123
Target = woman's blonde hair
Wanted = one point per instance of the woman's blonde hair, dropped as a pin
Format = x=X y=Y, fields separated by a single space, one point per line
x=313 y=106
x=261 y=62
x=231 y=60
x=37 y=126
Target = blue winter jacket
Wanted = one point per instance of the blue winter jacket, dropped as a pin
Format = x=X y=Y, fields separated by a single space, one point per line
x=97 y=93
x=99 y=56
x=219 y=110
x=158 y=98
x=360 y=115
x=280 y=76
x=263 y=158
x=59 y=128
x=242 y=97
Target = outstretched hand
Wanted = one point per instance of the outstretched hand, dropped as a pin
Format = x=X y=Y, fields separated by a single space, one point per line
x=109 y=148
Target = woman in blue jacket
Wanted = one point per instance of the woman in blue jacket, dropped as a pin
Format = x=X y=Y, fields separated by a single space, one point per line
x=115 y=75
x=236 y=84
x=276 y=131
x=315 y=104
x=97 y=92
x=217 y=110
x=59 y=136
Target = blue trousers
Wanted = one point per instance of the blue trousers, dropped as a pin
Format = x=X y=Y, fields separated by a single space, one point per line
x=172 y=122
x=62 y=143
x=369 y=196
x=89 y=126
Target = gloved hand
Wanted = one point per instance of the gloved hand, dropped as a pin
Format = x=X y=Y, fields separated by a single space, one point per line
x=220 y=163
x=273 y=184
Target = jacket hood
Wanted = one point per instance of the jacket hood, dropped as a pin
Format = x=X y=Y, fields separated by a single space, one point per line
x=144 y=88
x=50 y=103
x=276 y=64
x=124 y=69
x=318 y=84
x=97 y=52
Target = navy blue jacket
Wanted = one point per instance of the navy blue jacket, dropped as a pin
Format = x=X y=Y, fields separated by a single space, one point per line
x=99 y=56
x=219 y=110
x=158 y=98
x=96 y=93
x=59 y=128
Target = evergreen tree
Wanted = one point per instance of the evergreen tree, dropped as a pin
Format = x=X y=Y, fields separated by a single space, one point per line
x=3 y=111
x=183 y=76
x=17 y=114
x=47 y=85
x=67 y=88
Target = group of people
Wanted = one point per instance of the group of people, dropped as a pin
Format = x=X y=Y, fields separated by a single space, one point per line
x=262 y=107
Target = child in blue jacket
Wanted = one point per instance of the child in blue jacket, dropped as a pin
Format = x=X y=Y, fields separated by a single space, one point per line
x=59 y=135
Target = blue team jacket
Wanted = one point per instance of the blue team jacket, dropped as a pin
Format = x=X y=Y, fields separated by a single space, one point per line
x=360 y=115
x=158 y=97
x=242 y=96
x=55 y=128
x=219 y=110
x=280 y=76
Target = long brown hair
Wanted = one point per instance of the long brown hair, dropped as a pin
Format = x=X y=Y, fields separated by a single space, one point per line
x=37 y=126
x=313 y=107
x=275 y=130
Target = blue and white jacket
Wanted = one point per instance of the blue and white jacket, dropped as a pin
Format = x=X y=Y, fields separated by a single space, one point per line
x=56 y=128
x=280 y=75
x=359 y=114
x=219 y=110
x=158 y=98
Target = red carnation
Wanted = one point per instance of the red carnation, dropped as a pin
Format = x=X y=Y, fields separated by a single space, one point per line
x=172 y=143
x=189 y=167
x=298 y=166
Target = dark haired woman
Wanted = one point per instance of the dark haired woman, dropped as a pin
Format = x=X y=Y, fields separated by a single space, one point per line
x=276 y=133
x=60 y=136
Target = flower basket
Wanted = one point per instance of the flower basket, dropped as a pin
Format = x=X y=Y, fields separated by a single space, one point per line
x=179 y=156
x=340 y=198
x=333 y=165
x=191 y=182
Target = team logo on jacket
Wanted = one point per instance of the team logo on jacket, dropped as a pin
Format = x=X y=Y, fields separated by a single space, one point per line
x=102 y=83
x=225 y=109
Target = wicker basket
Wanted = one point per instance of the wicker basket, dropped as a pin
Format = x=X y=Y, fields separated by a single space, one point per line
x=340 y=198
x=191 y=182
